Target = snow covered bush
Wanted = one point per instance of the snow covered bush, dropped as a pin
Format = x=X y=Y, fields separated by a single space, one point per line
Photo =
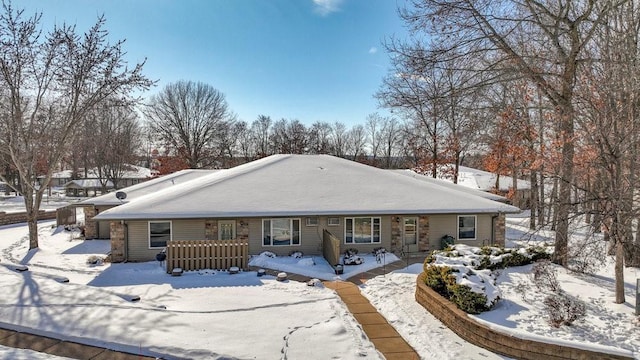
x=563 y=309
x=350 y=257
x=545 y=276
x=94 y=260
x=466 y=275
x=468 y=300
x=267 y=254
x=296 y=254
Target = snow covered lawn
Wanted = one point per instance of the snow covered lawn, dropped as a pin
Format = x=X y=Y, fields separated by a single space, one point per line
x=211 y=314
x=200 y=314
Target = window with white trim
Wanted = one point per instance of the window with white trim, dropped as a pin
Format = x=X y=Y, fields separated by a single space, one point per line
x=280 y=232
x=159 y=234
x=361 y=230
x=312 y=221
x=466 y=227
x=333 y=221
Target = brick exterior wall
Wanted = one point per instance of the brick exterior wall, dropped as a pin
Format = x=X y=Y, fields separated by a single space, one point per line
x=211 y=229
x=493 y=340
x=118 y=234
x=242 y=230
x=90 y=225
x=396 y=235
x=499 y=235
x=423 y=233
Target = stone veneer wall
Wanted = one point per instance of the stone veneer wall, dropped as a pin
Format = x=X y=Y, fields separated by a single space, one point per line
x=423 y=233
x=500 y=230
x=20 y=217
x=118 y=234
x=502 y=343
x=211 y=229
x=396 y=235
x=90 y=225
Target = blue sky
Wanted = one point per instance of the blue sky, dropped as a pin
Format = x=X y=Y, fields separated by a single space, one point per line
x=297 y=59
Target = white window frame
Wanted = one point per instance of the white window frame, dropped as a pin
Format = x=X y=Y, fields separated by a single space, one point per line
x=149 y=232
x=312 y=221
x=372 y=222
x=333 y=221
x=415 y=230
x=475 y=227
x=291 y=229
x=220 y=222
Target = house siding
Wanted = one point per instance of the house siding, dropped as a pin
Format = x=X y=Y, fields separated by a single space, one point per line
x=431 y=229
x=441 y=225
x=138 y=236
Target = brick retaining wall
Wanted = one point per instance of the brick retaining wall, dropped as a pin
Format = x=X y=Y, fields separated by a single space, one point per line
x=20 y=217
x=495 y=341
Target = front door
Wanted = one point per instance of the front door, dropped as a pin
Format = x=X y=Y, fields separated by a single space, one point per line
x=226 y=229
x=410 y=234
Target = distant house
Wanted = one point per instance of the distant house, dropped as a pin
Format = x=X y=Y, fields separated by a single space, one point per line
x=285 y=203
x=93 y=206
x=134 y=175
x=86 y=187
x=485 y=181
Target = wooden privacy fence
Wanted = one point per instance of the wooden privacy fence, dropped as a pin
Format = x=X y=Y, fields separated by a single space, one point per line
x=330 y=248
x=207 y=254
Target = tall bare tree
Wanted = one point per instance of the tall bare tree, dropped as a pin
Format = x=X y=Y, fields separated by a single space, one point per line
x=49 y=82
x=541 y=40
x=188 y=116
x=116 y=138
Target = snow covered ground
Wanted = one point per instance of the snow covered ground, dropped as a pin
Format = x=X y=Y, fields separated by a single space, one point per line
x=215 y=314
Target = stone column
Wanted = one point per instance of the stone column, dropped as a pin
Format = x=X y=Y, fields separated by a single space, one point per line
x=396 y=235
x=242 y=229
x=423 y=233
x=499 y=235
x=118 y=235
x=90 y=225
x=211 y=229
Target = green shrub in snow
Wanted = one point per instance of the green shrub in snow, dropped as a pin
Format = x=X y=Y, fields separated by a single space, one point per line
x=467 y=300
x=439 y=278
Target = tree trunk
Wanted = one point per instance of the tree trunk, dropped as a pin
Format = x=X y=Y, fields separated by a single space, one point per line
x=619 y=272
x=560 y=255
x=533 y=200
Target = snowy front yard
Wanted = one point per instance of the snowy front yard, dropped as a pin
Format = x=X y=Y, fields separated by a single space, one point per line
x=215 y=314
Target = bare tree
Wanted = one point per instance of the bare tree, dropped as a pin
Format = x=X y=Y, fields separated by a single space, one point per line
x=357 y=139
x=116 y=137
x=543 y=41
x=339 y=138
x=188 y=116
x=49 y=83
x=261 y=129
x=320 y=138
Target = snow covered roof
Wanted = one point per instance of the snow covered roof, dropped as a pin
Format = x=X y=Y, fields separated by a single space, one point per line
x=133 y=172
x=148 y=187
x=449 y=184
x=483 y=180
x=299 y=185
x=87 y=184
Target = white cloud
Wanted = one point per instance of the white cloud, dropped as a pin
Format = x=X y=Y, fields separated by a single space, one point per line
x=373 y=50
x=326 y=7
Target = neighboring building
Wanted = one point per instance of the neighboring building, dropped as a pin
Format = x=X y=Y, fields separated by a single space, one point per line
x=283 y=203
x=86 y=187
x=93 y=206
x=486 y=181
x=134 y=175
